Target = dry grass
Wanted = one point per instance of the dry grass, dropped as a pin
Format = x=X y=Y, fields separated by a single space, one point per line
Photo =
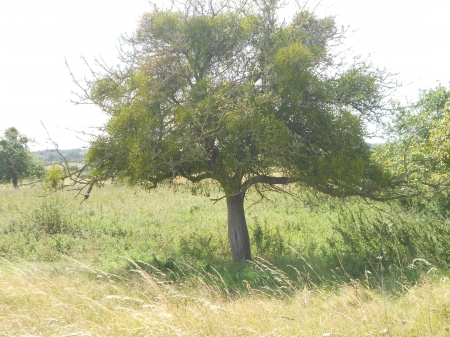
x=38 y=300
x=61 y=297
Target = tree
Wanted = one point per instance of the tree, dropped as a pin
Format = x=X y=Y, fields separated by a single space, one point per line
x=16 y=160
x=225 y=91
x=419 y=149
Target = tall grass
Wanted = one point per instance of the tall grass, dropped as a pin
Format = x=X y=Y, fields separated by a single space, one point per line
x=119 y=222
x=38 y=300
x=342 y=239
x=131 y=263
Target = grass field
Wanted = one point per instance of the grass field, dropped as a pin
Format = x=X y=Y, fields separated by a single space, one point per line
x=131 y=263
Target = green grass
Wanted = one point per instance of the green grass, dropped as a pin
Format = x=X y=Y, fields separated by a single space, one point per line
x=118 y=222
x=318 y=240
x=132 y=263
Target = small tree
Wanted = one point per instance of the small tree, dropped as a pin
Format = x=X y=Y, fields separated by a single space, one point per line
x=225 y=91
x=53 y=179
x=16 y=160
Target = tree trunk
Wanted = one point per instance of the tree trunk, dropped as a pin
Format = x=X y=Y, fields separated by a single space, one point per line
x=237 y=228
x=15 y=182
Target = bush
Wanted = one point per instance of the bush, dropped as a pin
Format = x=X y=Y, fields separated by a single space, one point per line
x=53 y=179
x=267 y=240
x=52 y=217
x=43 y=232
x=203 y=246
x=439 y=206
x=363 y=240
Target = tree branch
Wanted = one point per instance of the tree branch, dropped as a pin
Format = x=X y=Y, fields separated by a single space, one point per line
x=197 y=178
x=264 y=179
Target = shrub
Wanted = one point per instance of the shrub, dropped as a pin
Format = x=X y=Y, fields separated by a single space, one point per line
x=203 y=246
x=53 y=179
x=267 y=240
x=365 y=239
x=439 y=206
x=52 y=217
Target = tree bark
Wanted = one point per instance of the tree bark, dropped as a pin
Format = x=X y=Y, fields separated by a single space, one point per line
x=15 y=182
x=237 y=228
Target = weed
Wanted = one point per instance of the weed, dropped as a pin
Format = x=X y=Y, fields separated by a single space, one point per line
x=52 y=217
x=267 y=240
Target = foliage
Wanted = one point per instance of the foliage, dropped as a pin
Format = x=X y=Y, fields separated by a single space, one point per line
x=237 y=97
x=225 y=91
x=393 y=239
x=52 y=217
x=419 y=150
x=16 y=160
x=53 y=178
x=437 y=207
x=268 y=240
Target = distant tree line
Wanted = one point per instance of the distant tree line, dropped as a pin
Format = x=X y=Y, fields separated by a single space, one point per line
x=51 y=156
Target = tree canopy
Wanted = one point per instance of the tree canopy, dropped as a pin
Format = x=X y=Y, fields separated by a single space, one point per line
x=227 y=91
x=419 y=149
x=16 y=160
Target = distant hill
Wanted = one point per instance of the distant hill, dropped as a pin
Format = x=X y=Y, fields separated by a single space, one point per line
x=51 y=156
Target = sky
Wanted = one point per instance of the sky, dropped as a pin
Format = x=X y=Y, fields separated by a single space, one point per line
x=410 y=38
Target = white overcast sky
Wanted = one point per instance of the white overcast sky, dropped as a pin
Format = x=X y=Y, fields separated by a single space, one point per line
x=408 y=37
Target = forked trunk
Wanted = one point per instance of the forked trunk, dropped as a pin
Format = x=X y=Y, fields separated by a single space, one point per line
x=237 y=228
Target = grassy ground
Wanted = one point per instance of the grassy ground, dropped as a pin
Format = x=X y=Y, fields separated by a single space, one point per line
x=37 y=300
x=118 y=222
x=131 y=263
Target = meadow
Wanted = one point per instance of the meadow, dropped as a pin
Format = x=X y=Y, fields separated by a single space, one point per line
x=131 y=263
